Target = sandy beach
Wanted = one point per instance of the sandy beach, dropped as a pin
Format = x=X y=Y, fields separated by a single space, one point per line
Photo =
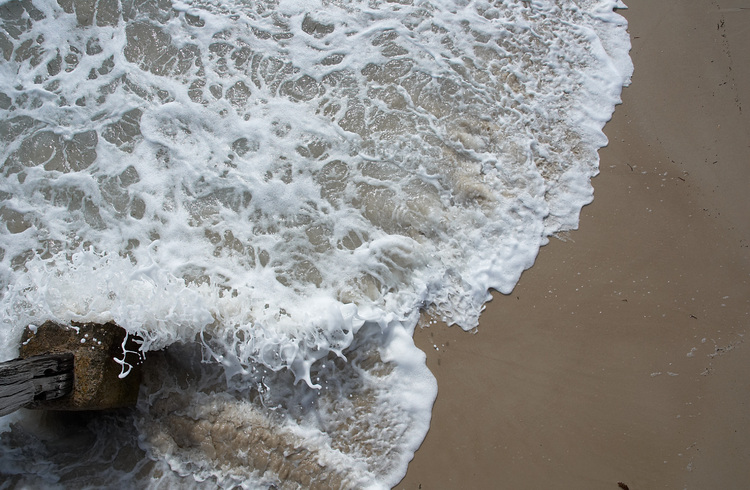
x=621 y=356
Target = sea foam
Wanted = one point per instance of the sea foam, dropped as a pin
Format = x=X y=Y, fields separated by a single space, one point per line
x=284 y=186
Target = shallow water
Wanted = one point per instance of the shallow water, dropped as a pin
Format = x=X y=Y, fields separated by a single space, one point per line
x=272 y=191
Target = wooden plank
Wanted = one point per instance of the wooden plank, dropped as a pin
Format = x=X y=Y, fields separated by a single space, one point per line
x=51 y=387
x=43 y=377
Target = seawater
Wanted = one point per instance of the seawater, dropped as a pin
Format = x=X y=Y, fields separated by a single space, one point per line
x=267 y=194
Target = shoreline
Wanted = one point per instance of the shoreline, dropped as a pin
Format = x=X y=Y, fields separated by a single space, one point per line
x=620 y=355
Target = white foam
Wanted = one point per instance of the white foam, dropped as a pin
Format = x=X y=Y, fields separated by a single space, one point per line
x=269 y=177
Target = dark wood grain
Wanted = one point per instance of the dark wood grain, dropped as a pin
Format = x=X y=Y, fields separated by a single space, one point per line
x=43 y=377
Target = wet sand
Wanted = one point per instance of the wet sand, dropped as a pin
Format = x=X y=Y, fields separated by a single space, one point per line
x=621 y=354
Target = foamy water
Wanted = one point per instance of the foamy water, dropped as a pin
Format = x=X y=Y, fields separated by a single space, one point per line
x=273 y=190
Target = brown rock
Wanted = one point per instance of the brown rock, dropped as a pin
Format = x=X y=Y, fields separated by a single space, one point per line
x=96 y=384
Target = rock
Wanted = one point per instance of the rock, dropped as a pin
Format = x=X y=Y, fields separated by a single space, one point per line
x=96 y=385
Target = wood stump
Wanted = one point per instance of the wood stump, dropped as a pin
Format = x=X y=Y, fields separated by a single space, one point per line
x=96 y=375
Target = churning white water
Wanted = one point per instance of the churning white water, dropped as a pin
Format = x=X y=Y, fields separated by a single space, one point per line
x=273 y=190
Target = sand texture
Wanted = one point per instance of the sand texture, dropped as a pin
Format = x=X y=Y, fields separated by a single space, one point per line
x=621 y=354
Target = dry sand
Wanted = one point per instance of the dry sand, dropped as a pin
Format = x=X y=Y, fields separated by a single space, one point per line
x=620 y=356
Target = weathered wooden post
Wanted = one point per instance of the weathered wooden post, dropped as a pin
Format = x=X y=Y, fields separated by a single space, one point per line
x=75 y=367
x=37 y=378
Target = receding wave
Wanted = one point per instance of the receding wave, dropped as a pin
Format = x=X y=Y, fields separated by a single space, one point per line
x=272 y=191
